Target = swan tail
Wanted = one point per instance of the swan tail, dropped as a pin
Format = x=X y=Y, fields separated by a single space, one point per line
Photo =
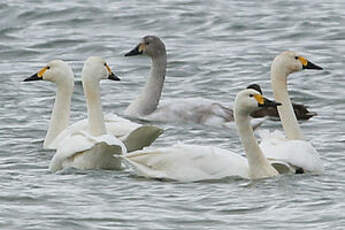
x=142 y=137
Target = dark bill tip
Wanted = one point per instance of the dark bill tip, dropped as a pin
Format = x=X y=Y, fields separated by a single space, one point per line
x=34 y=77
x=113 y=77
x=311 y=65
x=269 y=103
x=275 y=104
x=134 y=51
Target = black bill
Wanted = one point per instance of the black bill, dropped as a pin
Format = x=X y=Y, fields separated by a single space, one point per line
x=113 y=77
x=135 y=51
x=34 y=77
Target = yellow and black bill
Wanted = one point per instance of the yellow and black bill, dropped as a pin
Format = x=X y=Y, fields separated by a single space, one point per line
x=111 y=75
x=34 y=77
x=264 y=102
x=37 y=76
x=308 y=64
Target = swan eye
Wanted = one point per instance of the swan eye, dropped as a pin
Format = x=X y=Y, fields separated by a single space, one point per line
x=48 y=67
x=251 y=95
x=147 y=43
x=296 y=57
x=105 y=64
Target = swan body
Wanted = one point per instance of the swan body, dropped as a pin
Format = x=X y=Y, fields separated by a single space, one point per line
x=84 y=151
x=135 y=136
x=60 y=73
x=193 y=163
x=195 y=110
x=185 y=163
x=297 y=153
x=92 y=148
x=293 y=148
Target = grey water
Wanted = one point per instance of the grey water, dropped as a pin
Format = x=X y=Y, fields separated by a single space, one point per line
x=215 y=48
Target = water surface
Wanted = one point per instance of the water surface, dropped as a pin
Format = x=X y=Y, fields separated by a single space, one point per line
x=215 y=49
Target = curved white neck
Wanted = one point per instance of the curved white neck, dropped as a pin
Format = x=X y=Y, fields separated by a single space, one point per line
x=148 y=101
x=94 y=108
x=286 y=112
x=259 y=167
x=60 y=115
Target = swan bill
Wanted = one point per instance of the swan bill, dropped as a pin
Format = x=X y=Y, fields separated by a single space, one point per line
x=308 y=64
x=264 y=102
x=38 y=75
x=136 y=51
x=34 y=77
x=113 y=77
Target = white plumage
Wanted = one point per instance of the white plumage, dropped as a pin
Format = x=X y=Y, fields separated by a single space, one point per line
x=293 y=148
x=135 y=136
x=194 y=163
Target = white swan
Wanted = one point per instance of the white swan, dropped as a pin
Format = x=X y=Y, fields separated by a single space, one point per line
x=193 y=163
x=60 y=73
x=135 y=136
x=92 y=148
x=293 y=149
x=196 y=110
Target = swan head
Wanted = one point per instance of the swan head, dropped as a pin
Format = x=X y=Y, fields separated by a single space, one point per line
x=149 y=45
x=56 y=71
x=289 y=62
x=96 y=69
x=251 y=100
x=255 y=87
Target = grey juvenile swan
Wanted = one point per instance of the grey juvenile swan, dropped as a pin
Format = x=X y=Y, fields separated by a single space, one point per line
x=196 y=110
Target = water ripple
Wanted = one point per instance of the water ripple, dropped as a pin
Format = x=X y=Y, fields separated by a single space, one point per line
x=214 y=50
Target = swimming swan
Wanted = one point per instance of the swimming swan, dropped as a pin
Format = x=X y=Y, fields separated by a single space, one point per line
x=196 y=110
x=194 y=163
x=60 y=73
x=92 y=148
x=292 y=149
x=135 y=136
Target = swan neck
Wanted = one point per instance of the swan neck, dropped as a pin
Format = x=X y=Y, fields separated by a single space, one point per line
x=259 y=166
x=60 y=114
x=148 y=101
x=286 y=112
x=94 y=108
